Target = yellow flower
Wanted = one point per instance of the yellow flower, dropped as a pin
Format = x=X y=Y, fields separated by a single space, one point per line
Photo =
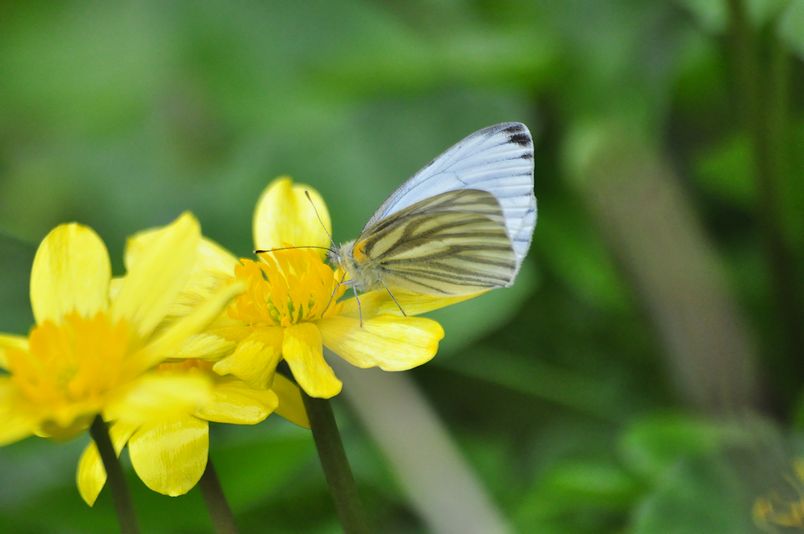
x=169 y=449
x=169 y=454
x=291 y=308
x=92 y=347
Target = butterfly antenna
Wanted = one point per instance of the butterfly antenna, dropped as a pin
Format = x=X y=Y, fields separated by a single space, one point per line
x=264 y=250
x=320 y=220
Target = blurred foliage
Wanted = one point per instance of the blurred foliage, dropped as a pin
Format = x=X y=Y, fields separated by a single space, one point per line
x=123 y=114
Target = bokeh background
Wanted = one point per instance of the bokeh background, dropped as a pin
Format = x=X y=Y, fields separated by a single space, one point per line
x=645 y=373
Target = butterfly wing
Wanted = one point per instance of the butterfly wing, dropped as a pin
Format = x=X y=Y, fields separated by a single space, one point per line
x=498 y=160
x=454 y=243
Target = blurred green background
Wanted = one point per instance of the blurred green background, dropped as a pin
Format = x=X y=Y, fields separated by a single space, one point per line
x=645 y=373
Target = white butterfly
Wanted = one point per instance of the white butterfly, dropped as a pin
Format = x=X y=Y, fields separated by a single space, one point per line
x=462 y=224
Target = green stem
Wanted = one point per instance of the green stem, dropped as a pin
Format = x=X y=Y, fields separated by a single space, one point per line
x=335 y=465
x=762 y=70
x=218 y=508
x=114 y=474
x=744 y=61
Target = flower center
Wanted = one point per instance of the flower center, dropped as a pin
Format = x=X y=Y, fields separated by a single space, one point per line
x=286 y=288
x=75 y=362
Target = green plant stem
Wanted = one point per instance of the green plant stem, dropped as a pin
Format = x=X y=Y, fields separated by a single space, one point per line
x=114 y=474
x=761 y=66
x=335 y=465
x=218 y=507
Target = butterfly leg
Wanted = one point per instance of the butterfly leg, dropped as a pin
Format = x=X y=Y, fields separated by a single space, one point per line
x=395 y=301
x=334 y=291
x=359 y=307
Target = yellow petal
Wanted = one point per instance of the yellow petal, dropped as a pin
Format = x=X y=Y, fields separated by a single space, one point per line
x=388 y=342
x=284 y=216
x=157 y=272
x=211 y=256
x=160 y=396
x=206 y=346
x=170 y=341
x=234 y=402
x=255 y=359
x=70 y=272
x=302 y=349
x=214 y=267
x=170 y=456
x=18 y=421
x=291 y=405
x=91 y=475
x=379 y=302
x=10 y=341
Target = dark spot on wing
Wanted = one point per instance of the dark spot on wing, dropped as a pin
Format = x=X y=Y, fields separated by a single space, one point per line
x=527 y=155
x=520 y=139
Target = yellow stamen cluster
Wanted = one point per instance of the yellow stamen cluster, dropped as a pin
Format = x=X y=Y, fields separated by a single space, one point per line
x=784 y=510
x=75 y=362
x=286 y=288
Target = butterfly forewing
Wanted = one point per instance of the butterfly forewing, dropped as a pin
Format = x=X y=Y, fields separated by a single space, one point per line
x=454 y=243
x=498 y=160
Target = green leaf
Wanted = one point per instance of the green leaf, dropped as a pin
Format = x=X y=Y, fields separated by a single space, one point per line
x=542 y=380
x=467 y=322
x=726 y=171
x=574 y=251
x=578 y=496
x=704 y=494
x=591 y=483
x=254 y=465
x=652 y=445
x=713 y=15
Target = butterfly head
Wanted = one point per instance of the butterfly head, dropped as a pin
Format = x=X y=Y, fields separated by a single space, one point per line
x=334 y=256
x=342 y=257
x=361 y=272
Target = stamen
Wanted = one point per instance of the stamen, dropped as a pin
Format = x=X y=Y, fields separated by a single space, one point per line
x=285 y=289
x=76 y=361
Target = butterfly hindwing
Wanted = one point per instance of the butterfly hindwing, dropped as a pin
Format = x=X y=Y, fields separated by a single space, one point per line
x=453 y=243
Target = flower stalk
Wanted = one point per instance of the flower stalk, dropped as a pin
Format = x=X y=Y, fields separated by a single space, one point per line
x=122 y=498
x=762 y=71
x=214 y=498
x=336 y=468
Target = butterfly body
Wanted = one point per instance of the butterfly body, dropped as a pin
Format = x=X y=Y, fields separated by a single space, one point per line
x=462 y=224
x=362 y=273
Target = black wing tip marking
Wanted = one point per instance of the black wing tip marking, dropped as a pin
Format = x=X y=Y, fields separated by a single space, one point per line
x=518 y=133
x=520 y=139
x=514 y=127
